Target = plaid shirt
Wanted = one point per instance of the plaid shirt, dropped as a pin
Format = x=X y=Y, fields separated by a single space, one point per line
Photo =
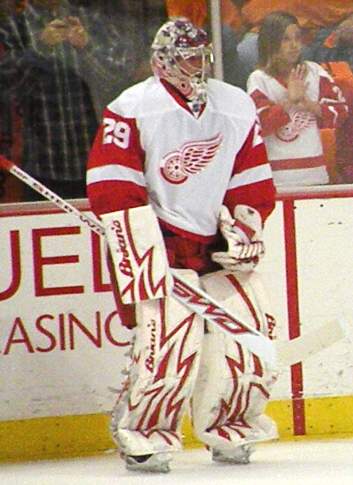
x=60 y=89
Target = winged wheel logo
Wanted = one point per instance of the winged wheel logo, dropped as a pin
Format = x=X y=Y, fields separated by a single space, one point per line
x=190 y=159
x=300 y=120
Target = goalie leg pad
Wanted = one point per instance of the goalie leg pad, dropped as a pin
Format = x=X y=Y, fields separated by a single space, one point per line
x=233 y=385
x=245 y=294
x=138 y=254
x=163 y=369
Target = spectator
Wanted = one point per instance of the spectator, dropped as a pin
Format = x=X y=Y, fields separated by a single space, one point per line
x=294 y=100
x=313 y=16
x=53 y=50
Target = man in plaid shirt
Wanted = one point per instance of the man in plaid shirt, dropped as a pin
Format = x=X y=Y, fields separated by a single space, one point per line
x=63 y=63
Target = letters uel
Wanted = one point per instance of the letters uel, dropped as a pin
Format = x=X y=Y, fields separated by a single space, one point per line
x=20 y=269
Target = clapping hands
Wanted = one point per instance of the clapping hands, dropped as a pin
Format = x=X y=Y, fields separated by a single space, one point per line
x=296 y=84
x=297 y=92
x=69 y=30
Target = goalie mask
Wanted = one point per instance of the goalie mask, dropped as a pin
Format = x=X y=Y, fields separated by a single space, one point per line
x=181 y=54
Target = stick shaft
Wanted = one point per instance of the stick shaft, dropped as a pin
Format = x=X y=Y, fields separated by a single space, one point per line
x=95 y=226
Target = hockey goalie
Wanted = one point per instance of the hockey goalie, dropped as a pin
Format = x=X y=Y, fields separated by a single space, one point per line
x=179 y=176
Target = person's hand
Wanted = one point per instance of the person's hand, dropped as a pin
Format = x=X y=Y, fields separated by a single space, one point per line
x=54 y=33
x=76 y=35
x=296 y=84
x=297 y=92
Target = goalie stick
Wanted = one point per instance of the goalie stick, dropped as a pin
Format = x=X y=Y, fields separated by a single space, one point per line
x=196 y=299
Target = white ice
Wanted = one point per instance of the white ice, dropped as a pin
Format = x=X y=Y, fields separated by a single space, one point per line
x=282 y=463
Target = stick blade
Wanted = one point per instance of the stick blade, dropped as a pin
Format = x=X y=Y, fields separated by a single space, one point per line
x=308 y=345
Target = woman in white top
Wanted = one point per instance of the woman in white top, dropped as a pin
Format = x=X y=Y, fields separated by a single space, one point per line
x=294 y=101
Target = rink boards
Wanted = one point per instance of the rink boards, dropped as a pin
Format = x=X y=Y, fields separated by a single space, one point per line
x=61 y=344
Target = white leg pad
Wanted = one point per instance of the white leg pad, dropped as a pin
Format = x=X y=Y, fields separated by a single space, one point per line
x=233 y=385
x=163 y=370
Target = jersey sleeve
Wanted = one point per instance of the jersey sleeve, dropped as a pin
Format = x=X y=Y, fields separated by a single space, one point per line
x=251 y=182
x=272 y=116
x=334 y=109
x=115 y=172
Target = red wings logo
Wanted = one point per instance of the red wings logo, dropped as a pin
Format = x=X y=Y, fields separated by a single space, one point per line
x=190 y=159
x=300 y=120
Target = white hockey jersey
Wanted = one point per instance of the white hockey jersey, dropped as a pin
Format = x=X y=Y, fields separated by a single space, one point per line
x=152 y=150
x=293 y=139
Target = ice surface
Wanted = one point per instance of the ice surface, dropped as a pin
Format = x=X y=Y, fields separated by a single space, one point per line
x=282 y=463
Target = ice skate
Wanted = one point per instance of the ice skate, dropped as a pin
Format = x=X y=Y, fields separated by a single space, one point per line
x=156 y=463
x=237 y=456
